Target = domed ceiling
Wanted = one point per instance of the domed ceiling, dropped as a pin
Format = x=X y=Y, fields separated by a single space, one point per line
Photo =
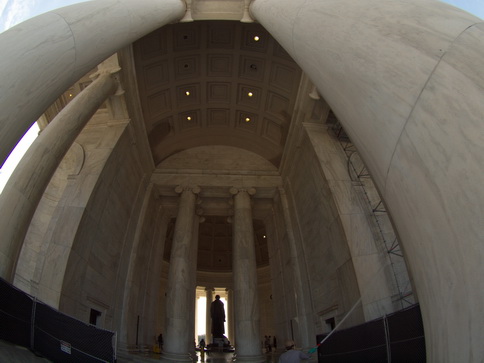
x=215 y=83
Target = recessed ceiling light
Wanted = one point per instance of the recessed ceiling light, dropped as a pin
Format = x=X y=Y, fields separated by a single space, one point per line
x=189 y=118
x=187 y=93
x=247 y=119
x=256 y=38
x=250 y=94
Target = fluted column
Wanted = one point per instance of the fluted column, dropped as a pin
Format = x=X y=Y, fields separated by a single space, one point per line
x=179 y=290
x=246 y=306
x=208 y=328
x=27 y=184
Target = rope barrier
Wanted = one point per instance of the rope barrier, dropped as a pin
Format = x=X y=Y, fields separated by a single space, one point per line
x=312 y=350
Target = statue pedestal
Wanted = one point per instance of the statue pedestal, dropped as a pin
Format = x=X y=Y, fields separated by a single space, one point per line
x=218 y=344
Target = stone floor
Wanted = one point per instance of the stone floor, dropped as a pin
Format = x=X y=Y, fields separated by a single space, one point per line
x=10 y=353
x=206 y=358
x=227 y=357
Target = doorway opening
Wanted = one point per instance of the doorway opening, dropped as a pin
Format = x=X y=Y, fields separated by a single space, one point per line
x=94 y=317
x=202 y=313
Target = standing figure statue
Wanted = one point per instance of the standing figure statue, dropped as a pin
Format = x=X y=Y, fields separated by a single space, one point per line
x=217 y=313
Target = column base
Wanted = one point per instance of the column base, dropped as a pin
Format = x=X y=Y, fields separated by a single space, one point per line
x=176 y=357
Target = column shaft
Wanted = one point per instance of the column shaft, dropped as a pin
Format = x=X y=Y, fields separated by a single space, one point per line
x=180 y=282
x=193 y=283
x=208 y=330
x=27 y=184
x=418 y=86
x=230 y=316
x=245 y=281
x=33 y=77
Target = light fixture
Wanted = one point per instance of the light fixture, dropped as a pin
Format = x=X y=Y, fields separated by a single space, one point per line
x=247 y=119
x=256 y=38
x=189 y=118
x=250 y=94
x=187 y=93
x=264 y=236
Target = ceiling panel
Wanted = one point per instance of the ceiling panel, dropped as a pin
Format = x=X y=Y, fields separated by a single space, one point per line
x=212 y=82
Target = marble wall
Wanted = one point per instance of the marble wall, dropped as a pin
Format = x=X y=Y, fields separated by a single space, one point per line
x=98 y=262
x=323 y=246
x=145 y=272
x=369 y=255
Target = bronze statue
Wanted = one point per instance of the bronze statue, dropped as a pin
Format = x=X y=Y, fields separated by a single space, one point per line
x=217 y=313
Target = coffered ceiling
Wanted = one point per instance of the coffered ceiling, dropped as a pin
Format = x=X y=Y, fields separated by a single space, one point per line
x=208 y=83
x=215 y=83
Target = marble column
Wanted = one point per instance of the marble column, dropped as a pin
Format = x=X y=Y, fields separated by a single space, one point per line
x=75 y=39
x=405 y=80
x=230 y=316
x=208 y=331
x=180 y=281
x=192 y=341
x=248 y=348
x=27 y=184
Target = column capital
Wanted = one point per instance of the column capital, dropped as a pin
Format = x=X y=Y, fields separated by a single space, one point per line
x=246 y=18
x=235 y=191
x=195 y=189
x=110 y=67
x=187 y=18
x=314 y=94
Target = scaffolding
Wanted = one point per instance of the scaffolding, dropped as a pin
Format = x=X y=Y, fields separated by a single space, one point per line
x=362 y=179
